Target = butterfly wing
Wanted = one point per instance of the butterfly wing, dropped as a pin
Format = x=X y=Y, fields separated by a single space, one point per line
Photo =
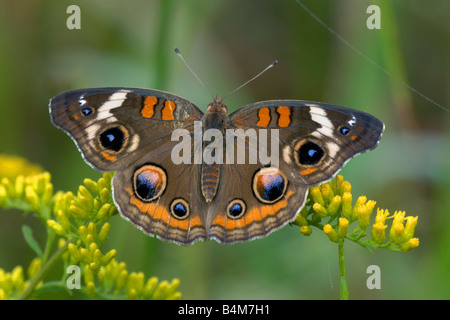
x=315 y=141
x=129 y=131
x=109 y=125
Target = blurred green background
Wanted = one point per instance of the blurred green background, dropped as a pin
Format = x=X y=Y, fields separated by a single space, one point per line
x=130 y=43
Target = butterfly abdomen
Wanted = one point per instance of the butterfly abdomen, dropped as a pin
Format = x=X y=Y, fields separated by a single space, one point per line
x=210 y=180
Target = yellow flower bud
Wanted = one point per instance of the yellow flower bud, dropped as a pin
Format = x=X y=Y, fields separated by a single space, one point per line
x=346 y=187
x=331 y=233
x=175 y=296
x=316 y=195
x=301 y=220
x=90 y=289
x=108 y=257
x=105 y=195
x=32 y=198
x=97 y=256
x=74 y=252
x=327 y=192
x=361 y=201
x=104 y=211
x=63 y=220
x=397 y=232
x=103 y=234
x=56 y=227
x=135 y=282
x=363 y=216
x=399 y=217
x=101 y=184
x=149 y=287
x=48 y=194
x=347 y=205
x=121 y=280
x=95 y=267
x=3 y=294
x=343 y=227
x=132 y=294
x=306 y=230
x=91 y=185
x=3 y=195
x=334 y=205
x=78 y=212
x=83 y=232
x=320 y=210
x=84 y=255
x=19 y=186
x=378 y=232
x=83 y=192
x=9 y=188
x=92 y=230
x=161 y=291
x=381 y=216
x=34 y=267
x=85 y=203
x=88 y=275
x=173 y=287
x=410 y=244
x=17 y=276
x=410 y=227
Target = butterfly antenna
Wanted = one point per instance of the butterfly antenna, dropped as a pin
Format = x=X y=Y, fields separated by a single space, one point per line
x=248 y=81
x=192 y=71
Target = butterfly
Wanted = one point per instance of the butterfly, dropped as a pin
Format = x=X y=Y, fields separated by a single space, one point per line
x=175 y=181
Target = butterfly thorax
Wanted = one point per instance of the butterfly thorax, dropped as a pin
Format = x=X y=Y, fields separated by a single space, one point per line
x=215 y=119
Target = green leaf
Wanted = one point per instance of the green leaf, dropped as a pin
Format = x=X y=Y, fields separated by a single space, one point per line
x=28 y=234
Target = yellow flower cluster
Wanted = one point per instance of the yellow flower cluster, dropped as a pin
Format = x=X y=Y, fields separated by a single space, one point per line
x=333 y=201
x=13 y=166
x=81 y=223
x=114 y=279
x=13 y=283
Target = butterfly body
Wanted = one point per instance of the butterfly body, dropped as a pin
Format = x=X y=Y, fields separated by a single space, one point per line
x=183 y=175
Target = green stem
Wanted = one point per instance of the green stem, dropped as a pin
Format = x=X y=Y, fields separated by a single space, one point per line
x=344 y=288
x=40 y=275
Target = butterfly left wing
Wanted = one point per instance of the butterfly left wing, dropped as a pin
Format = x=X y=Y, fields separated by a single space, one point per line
x=315 y=141
x=109 y=125
x=129 y=130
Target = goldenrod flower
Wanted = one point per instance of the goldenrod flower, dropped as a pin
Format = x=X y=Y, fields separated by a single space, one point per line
x=13 y=166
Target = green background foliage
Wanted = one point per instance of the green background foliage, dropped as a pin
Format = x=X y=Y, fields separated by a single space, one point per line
x=130 y=43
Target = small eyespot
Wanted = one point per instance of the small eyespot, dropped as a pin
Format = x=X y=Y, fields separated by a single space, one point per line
x=113 y=139
x=309 y=153
x=87 y=111
x=149 y=182
x=344 y=130
x=236 y=209
x=179 y=209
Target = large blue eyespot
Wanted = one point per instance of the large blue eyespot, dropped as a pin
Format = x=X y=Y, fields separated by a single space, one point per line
x=149 y=182
x=310 y=153
x=112 y=139
x=269 y=185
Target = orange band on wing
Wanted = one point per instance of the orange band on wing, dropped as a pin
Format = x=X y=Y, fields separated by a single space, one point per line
x=158 y=212
x=305 y=172
x=285 y=116
x=167 y=111
x=108 y=156
x=149 y=107
x=264 y=117
x=255 y=214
